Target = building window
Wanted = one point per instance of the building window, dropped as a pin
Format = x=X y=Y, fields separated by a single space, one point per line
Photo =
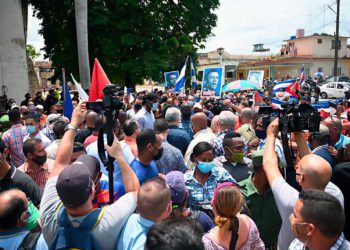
x=229 y=74
x=319 y=70
x=319 y=41
x=333 y=45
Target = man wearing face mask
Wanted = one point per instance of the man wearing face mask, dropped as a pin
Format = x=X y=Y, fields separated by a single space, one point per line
x=149 y=148
x=37 y=165
x=131 y=113
x=33 y=129
x=145 y=116
x=233 y=159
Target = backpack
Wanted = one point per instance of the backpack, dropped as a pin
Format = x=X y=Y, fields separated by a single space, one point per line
x=81 y=237
x=29 y=242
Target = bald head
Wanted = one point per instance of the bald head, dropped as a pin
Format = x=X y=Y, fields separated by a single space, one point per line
x=153 y=198
x=316 y=170
x=90 y=119
x=13 y=204
x=247 y=115
x=199 y=122
x=334 y=125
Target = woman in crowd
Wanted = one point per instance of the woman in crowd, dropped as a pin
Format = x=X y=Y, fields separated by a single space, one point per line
x=233 y=230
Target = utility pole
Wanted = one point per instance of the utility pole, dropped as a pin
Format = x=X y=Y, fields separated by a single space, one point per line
x=336 y=47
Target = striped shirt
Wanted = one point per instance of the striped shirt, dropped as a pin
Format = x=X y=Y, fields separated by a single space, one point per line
x=40 y=175
x=145 y=119
x=13 y=139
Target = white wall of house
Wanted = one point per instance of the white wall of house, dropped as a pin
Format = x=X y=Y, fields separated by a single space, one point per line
x=14 y=73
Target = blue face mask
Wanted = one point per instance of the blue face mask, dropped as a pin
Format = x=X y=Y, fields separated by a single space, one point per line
x=205 y=167
x=155 y=106
x=261 y=134
x=30 y=129
x=191 y=103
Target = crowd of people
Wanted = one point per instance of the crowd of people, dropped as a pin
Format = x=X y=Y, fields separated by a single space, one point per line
x=190 y=172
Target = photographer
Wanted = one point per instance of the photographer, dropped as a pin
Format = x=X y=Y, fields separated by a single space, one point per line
x=312 y=172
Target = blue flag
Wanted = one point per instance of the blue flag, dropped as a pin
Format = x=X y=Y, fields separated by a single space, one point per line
x=180 y=82
x=67 y=102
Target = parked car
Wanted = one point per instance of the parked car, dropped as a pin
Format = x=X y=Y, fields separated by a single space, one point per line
x=334 y=90
x=339 y=79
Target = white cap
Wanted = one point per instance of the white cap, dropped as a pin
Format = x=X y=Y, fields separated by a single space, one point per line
x=198 y=105
x=39 y=106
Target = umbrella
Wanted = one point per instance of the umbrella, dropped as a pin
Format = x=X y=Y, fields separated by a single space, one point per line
x=239 y=85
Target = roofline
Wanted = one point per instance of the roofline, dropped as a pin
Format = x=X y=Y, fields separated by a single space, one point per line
x=312 y=36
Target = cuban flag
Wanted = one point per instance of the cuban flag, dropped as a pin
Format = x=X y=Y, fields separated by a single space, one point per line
x=193 y=75
x=302 y=76
x=283 y=85
x=180 y=82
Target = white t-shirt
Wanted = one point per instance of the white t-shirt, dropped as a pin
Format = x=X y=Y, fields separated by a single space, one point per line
x=46 y=141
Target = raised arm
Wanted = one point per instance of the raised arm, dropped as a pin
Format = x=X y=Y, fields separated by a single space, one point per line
x=270 y=160
x=302 y=146
x=130 y=180
x=65 y=149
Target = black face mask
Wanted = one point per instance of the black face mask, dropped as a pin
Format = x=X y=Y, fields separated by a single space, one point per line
x=159 y=155
x=137 y=106
x=40 y=159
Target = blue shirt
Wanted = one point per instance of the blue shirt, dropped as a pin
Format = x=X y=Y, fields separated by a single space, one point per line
x=343 y=140
x=323 y=152
x=133 y=235
x=11 y=240
x=199 y=192
x=178 y=138
x=142 y=172
x=171 y=160
x=187 y=127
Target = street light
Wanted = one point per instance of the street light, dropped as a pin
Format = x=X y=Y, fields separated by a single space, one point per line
x=220 y=52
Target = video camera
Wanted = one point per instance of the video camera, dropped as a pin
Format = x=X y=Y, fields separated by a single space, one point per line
x=215 y=105
x=293 y=118
x=110 y=101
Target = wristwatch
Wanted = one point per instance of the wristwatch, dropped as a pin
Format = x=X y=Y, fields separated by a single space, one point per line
x=72 y=127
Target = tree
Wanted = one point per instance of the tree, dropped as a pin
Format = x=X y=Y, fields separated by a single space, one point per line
x=133 y=39
x=33 y=54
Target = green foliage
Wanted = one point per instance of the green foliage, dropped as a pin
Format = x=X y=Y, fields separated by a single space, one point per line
x=33 y=54
x=133 y=39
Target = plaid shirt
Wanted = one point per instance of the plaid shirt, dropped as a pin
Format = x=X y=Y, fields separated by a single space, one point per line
x=340 y=244
x=13 y=139
x=41 y=175
x=200 y=193
x=217 y=143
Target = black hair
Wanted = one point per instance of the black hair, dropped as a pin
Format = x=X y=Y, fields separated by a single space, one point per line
x=33 y=116
x=11 y=213
x=324 y=211
x=27 y=95
x=144 y=138
x=175 y=233
x=59 y=128
x=29 y=146
x=185 y=112
x=2 y=146
x=129 y=127
x=160 y=125
x=78 y=147
x=200 y=148
x=14 y=115
x=168 y=76
x=227 y=141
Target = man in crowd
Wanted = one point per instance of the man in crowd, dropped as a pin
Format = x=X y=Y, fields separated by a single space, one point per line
x=89 y=127
x=131 y=113
x=154 y=205
x=13 y=138
x=131 y=130
x=14 y=214
x=50 y=121
x=201 y=133
x=50 y=101
x=26 y=100
x=37 y=165
x=11 y=177
x=59 y=128
x=74 y=186
x=172 y=158
x=176 y=136
x=317 y=222
x=234 y=160
x=261 y=202
x=226 y=125
x=33 y=129
x=312 y=172
x=145 y=117
x=186 y=123
x=336 y=138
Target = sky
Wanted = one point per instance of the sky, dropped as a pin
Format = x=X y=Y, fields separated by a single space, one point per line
x=242 y=23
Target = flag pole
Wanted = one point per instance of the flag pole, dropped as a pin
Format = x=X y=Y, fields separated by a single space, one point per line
x=64 y=87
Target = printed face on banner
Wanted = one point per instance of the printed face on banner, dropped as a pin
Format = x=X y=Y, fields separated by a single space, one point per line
x=170 y=79
x=212 y=82
x=256 y=76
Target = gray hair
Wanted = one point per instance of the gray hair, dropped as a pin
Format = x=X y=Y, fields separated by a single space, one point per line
x=227 y=118
x=172 y=114
x=247 y=113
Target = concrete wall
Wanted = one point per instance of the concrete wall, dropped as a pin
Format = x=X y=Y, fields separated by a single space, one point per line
x=13 y=58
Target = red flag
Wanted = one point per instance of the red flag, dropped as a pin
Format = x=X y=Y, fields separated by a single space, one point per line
x=293 y=88
x=258 y=98
x=98 y=82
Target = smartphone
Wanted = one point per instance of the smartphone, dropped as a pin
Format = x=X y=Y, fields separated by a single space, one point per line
x=94 y=106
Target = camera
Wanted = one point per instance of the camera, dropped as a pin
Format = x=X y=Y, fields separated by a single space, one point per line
x=215 y=106
x=110 y=101
x=293 y=118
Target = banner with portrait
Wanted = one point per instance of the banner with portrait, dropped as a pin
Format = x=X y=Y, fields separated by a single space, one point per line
x=170 y=79
x=213 y=80
x=256 y=76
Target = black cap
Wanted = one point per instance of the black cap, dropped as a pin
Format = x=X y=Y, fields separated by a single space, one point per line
x=74 y=185
x=90 y=162
x=150 y=97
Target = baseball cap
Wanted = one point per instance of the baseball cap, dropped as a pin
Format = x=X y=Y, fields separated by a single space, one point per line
x=39 y=106
x=74 y=185
x=176 y=183
x=52 y=118
x=90 y=162
x=198 y=106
